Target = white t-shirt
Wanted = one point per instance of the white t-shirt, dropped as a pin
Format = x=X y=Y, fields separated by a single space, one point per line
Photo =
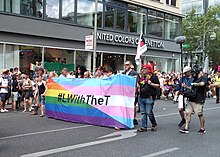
x=4 y=82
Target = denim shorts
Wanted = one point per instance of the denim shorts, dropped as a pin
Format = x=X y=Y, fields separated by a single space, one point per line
x=15 y=96
x=4 y=96
x=41 y=100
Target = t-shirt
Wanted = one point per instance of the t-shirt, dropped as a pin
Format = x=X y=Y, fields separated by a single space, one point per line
x=15 y=87
x=4 y=81
x=147 y=90
x=199 y=90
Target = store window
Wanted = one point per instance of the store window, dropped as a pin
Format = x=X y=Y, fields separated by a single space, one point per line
x=68 y=8
x=2 y=5
x=109 y=16
x=172 y=26
x=171 y=2
x=84 y=58
x=52 y=9
x=27 y=55
x=155 y=23
x=115 y=61
x=57 y=59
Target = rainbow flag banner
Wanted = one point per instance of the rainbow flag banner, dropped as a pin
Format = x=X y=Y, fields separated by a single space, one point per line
x=105 y=102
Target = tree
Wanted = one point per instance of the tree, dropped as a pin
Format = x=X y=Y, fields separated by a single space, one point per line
x=198 y=28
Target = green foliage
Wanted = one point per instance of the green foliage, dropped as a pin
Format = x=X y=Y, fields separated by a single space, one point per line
x=198 y=28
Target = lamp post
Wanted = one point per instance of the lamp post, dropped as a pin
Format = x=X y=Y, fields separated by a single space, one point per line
x=95 y=36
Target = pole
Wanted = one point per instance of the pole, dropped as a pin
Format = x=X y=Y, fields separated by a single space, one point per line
x=95 y=37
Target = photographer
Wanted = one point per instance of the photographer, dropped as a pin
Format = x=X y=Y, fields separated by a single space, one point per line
x=196 y=101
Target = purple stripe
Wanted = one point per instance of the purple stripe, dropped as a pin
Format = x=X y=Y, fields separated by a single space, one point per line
x=106 y=90
x=109 y=122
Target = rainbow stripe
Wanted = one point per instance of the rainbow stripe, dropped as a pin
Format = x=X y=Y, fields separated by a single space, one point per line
x=105 y=102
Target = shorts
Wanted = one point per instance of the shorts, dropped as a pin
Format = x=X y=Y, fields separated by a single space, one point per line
x=14 y=96
x=41 y=100
x=26 y=94
x=180 y=101
x=196 y=107
x=4 y=97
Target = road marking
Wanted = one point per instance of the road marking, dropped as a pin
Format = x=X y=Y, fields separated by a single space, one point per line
x=43 y=132
x=121 y=134
x=162 y=152
x=172 y=114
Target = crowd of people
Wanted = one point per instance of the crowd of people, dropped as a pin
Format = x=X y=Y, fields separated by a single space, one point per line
x=189 y=90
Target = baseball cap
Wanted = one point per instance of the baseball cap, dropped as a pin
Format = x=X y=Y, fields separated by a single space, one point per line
x=148 y=66
x=186 y=69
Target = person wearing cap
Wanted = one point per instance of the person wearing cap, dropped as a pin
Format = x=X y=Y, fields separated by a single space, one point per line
x=196 y=102
x=185 y=80
x=4 y=89
x=147 y=84
x=129 y=70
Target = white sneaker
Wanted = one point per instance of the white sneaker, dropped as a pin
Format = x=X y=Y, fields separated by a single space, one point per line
x=6 y=110
x=214 y=97
x=2 y=110
x=30 y=109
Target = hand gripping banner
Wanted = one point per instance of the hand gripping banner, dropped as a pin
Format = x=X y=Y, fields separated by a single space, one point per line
x=105 y=102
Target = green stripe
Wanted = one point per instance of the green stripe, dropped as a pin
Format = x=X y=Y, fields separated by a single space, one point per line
x=54 y=100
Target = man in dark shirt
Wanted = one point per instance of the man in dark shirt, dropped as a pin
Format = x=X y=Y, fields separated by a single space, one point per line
x=196 y=103
x=147 y=83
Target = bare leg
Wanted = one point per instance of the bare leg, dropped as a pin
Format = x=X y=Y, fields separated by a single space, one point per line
x=202 y=122
x=188 y=119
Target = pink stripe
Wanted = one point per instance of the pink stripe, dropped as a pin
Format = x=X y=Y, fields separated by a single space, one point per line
x=104 y=90
x=118 y=111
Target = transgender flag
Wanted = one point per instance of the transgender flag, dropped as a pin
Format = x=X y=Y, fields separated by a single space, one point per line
x=140 y=49
x=105 y=102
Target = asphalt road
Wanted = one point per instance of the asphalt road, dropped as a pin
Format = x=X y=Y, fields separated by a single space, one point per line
x=22 y=134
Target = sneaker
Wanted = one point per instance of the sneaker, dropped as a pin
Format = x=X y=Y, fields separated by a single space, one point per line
x=42 y=115
x=201 y=131
x=214 y=97
x=6 y=110
x=183 y=121
x=153 y=129
x=30 y=109
x=135 y=122
x=2 y=110
x=184 y=131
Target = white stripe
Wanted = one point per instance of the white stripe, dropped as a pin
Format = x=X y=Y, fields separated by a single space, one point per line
x=162 y=152
x=43 y=132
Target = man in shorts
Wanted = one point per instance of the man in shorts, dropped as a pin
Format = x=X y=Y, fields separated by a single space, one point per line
x=4 y=89
x=196 y=103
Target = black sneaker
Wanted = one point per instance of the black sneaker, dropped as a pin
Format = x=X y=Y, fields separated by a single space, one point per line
x=184 y=131
x=135 y=122
x=183 y=121
x=153 y=129
x=201 y=131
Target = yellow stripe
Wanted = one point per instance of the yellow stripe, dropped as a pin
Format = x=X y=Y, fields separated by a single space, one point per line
x=55 y=93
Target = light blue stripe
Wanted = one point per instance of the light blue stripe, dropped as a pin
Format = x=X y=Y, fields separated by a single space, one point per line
x=119 y=79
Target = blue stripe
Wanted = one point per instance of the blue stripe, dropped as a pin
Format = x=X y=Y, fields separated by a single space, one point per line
x=119 y=79
x=93 y=112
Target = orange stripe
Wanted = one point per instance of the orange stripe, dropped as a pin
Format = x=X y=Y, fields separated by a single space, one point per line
x=53 y=85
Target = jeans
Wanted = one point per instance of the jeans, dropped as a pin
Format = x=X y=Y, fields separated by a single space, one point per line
x=146 y=107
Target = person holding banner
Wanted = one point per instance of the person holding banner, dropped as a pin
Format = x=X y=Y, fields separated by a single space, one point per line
x=147 y=83
x=131 y=72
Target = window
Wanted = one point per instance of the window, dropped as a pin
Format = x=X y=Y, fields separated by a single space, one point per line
x=2 y=5
x=25 y=7
x=109 y=16
x=120 y=19
x=68 y=10
x=52 y=9
x=85 y=11
x=155 y=23
x=171 y=2
x=171 y=26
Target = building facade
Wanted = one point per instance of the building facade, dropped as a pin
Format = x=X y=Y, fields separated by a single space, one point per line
x=39 y=31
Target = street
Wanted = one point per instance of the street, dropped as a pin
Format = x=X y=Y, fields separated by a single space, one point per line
x=22 y=134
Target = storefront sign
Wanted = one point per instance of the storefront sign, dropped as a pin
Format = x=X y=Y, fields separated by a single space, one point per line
x=117 y=38
x=89 y=42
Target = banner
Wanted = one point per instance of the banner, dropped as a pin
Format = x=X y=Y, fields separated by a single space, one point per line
x=142 y=47
x=105 y=102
